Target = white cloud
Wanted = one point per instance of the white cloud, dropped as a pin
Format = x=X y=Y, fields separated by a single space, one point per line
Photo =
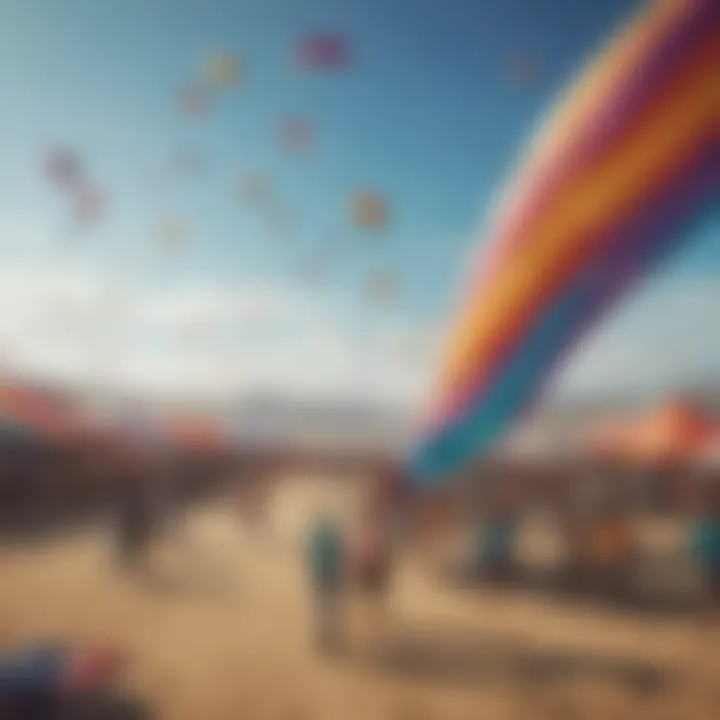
x=663 y=338
x=75 y=322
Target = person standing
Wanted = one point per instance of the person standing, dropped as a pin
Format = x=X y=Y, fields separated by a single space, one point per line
x=327 y=579
x=705 y=547
x=372 y=565
x=501 y=528
x=135 y=513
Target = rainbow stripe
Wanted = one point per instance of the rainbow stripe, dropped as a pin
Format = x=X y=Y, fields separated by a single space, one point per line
x=629 y=159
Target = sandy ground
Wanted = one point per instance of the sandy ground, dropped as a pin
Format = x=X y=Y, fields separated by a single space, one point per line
x=221 y=631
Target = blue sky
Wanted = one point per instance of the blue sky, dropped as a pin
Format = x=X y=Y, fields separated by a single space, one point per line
x=429 y=116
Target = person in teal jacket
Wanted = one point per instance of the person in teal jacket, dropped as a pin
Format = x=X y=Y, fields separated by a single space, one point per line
x=705 y=545
x=326 y=566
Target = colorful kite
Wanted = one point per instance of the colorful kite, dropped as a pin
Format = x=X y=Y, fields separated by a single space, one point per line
x=222 y=69
x=369 y=211
x=628 y=161
x=296 y=135
x=325 y=51
x=523 y=70
x=194 y=101
x=89 y=205
x=255 y=187
x=63 y=169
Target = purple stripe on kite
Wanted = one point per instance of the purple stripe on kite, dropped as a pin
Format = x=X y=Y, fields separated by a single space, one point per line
x=631 y=93
x=683 y=186
x=556 y=330
x=598 y=132
x=638 y=250
x=629 y=252
x=621 y=107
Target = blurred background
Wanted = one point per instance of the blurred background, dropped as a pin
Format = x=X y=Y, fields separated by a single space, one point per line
x=231 y=236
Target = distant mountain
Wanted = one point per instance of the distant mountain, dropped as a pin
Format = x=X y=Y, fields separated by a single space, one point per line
x=276 y=417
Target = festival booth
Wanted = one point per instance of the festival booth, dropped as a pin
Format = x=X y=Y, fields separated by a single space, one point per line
x=201 y=451
x=46 y=446
x=61 y=458
x=709 y=455
x=657 y=452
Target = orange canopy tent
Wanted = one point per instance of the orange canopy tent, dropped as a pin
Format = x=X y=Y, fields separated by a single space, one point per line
x=709 y=454
x=611 y=440
x=196 y=432
x=673 y=432
x=49 y=415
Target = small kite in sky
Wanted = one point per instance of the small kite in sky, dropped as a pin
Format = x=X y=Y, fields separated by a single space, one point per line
x=194 y=101
x=369 y=211
x=63 y=169
x=255 y=187
x=616 y=179
x=325 y=51
x=523 y=70
x=296 y=134
x=222 y=69
x=89 y=204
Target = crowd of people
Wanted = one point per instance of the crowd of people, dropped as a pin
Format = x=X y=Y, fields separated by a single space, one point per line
x=359 y=560
x=596 y=522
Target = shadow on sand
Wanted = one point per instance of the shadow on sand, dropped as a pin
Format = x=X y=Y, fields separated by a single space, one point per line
x=435 y=654
x=194 y=572
x=667 y=599
x=193 y=582
x=103 y=707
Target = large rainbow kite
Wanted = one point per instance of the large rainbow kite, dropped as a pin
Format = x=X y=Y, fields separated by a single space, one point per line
x=625 y=164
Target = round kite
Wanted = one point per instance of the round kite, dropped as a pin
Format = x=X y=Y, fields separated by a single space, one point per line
x=254 y=187
x=325 y=51
x=63 y=169
x=194 y=101
x=624 y=168
x=89 y=204
x=369 y=211
x=296 y=135
x=222 y=69
x=523 y=70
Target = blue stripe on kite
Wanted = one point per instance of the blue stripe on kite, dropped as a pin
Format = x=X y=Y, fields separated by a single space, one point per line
x=654 y=235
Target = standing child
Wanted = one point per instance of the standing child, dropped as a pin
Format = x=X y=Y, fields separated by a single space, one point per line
x=372 y=566
x=498 y=544
x=705 y=547
x=135 y=516
x=327 y=577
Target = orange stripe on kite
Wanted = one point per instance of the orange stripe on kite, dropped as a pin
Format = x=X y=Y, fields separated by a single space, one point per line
x=625 y=176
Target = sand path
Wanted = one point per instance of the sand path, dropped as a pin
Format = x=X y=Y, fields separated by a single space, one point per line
x=222 y=634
